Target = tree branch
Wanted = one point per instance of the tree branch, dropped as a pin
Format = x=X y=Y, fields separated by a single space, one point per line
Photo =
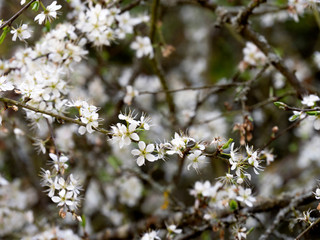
x=57 y=116
x=15 y=16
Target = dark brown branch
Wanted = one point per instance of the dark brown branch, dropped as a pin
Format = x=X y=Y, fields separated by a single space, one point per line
x=274 y=59
x=248 y=11
x=298 y=200
x=15 y=16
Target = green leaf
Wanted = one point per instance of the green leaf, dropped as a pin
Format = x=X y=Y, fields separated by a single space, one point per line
x=250 y=230
x=281 y=105
x=233 y=205
x=293 y=118
x=313 y=113
x=35 y=6
x=47 y=27
x=83 y=223
x=5 y=30
x=227 y=144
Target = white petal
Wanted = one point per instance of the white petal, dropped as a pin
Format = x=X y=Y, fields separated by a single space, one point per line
x=134 y=137
x=151 y=158
x=82 y=130
x=135 y=152
x=140 y=161
x=53 y=157
x=142 y=145
x=55 y=199
x=150 y=148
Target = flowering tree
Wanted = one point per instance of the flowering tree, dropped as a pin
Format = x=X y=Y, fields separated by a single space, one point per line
x=159 y=119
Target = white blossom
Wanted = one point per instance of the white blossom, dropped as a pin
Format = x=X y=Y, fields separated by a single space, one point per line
x=21 y=32
x=144 y=153
x=310 y=100
x=5 y=85
x=245 y=196
x=142 y=46
x=49 y=13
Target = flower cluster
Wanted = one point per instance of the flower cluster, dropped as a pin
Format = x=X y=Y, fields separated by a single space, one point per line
x=123 y=134
x=88 y=115
x=102 y=25
x=62 y=191
x=239 y=163
x=310 y=102
x=297 y=8
x=219 y=195
x=253 y=57
x=39 y=73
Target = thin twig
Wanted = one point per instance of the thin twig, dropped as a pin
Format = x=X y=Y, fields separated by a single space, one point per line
x=15 y=16
x=130 y=6
x=294 y=202
x=272 y=139
x=308 y=229
x=219 y=86
x=57 y=116
x=274 y=59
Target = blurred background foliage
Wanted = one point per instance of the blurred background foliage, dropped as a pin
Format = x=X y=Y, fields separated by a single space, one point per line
x=221 y=52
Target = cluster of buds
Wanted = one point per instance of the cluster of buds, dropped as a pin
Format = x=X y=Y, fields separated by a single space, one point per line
x=245 y=129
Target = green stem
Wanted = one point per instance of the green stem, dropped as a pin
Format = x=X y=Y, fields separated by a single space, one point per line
x=43 y=7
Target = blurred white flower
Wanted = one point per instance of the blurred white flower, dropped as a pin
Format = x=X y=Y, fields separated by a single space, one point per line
x=142 y=46
x=310 y=100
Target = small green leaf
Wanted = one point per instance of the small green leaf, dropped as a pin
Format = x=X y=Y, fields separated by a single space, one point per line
x=5 y=30
x=250 y=230
x=313 y=113
x=281 y=105
x=293 y=118
x=47 y=27
x=83 y=223
x=233 y=205
x=227 y=144
x=35 y=6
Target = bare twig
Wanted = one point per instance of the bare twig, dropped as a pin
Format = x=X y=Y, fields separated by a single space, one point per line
x=57 y=116
x=130 y=6
x=218 y=86
x=274 y=59
x=15 y=16
x=308 y=229
x=294 y=202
